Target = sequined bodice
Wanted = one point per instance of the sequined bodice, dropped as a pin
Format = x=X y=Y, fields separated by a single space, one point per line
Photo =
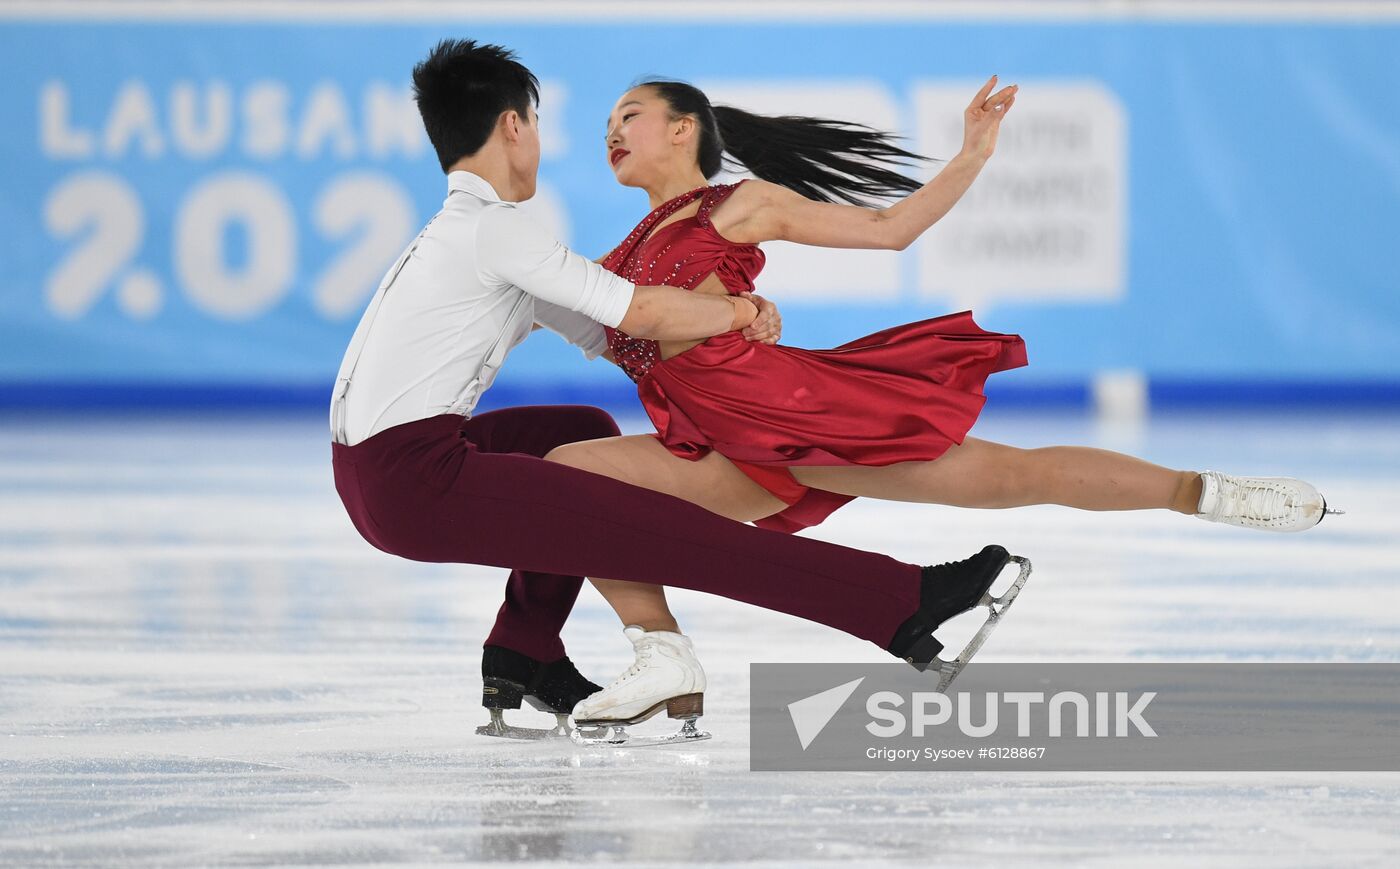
x=680 y=254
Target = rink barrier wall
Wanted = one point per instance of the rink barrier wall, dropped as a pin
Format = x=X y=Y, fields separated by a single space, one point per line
x=1070 y=395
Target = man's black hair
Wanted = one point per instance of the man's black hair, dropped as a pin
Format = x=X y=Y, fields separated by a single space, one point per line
x=462 y=88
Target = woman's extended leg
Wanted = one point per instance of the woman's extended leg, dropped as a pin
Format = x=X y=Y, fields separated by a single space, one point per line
x=984 y=474
x=712 y=482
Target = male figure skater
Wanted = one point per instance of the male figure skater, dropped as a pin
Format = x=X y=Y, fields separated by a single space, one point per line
x=423 y=478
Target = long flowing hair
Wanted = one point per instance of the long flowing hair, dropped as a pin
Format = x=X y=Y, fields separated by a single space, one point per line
x=819 y=158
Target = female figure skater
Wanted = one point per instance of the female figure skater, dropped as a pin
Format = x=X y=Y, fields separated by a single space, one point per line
x=782 y=436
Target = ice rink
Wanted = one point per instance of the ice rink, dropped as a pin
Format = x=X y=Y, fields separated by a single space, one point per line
x=201 y=663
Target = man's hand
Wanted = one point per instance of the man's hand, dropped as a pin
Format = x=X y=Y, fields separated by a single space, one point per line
x=768 y=327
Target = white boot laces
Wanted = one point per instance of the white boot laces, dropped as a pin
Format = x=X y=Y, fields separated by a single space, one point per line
x=1257 y=503
x=644 y=649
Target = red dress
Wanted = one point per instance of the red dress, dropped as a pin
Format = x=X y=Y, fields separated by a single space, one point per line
x=904 y=394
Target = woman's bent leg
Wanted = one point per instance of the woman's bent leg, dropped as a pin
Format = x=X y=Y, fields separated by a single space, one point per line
x=983 y=474
x=712 y=482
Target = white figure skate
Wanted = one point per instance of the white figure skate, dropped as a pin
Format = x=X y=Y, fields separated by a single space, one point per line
x=665 y=675
x=1263 y=503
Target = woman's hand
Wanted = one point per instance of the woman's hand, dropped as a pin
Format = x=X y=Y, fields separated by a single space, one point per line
x=983 y=119
x=768 y=326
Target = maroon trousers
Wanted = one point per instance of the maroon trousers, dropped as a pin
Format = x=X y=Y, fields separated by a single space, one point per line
x=477 y=491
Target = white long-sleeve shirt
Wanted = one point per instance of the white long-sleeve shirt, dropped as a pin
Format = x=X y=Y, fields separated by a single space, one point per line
x=461 y=297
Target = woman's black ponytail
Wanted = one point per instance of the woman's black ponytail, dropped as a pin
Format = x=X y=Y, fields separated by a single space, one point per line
x=821 y=159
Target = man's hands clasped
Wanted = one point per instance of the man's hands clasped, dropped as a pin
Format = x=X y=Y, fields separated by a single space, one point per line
x=767 y=326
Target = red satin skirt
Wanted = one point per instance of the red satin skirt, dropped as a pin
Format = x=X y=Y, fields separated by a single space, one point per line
x=904 y=394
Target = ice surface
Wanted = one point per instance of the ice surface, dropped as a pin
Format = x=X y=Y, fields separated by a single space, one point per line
x=201 y=663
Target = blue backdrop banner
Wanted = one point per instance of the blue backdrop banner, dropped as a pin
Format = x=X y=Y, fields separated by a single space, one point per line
x=190 y=205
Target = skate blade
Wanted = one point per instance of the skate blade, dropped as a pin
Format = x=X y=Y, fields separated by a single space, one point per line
x=498 y=728
x=616 y=735
x=996 y=607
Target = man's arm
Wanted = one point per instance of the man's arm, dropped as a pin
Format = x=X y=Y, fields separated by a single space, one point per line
x=513 y=249
x=671 y=314
x=578 y=330
x=766 y=327
x=589 y=337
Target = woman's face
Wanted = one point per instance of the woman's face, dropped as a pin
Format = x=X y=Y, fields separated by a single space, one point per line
x=642 y=140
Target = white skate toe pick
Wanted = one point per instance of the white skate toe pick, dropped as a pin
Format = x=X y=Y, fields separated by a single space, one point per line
x=1263 y=503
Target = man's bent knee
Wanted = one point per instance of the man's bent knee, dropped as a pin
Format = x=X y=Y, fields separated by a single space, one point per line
x=589 y=422
x=601 y=424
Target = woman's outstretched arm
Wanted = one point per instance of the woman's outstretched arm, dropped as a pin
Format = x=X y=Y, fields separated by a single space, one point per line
x=761 y=211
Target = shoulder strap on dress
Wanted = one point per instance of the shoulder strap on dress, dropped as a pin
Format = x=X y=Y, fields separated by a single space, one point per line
x=713 y=197
x=634 y=240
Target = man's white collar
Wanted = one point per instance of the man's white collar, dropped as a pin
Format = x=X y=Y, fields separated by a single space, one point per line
x=470 y=182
